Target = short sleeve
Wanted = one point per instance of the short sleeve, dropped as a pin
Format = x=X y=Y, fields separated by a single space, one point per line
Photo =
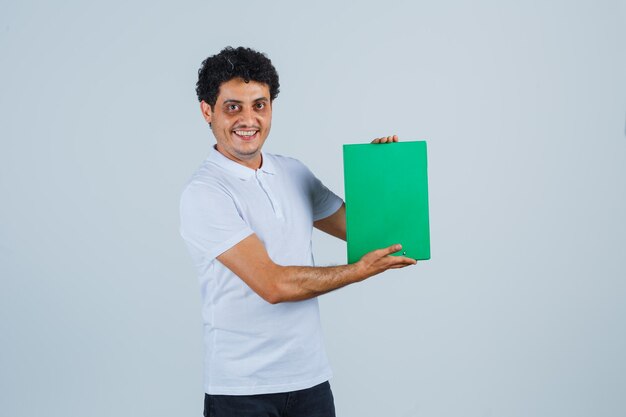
x=325 y=202
x=209 y=220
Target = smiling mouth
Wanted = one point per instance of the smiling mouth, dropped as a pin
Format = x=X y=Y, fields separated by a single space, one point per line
x=246 y=134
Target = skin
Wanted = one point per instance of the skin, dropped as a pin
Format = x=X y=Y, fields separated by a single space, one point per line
x=386 y=139
x=240 y=107
x=246 y=107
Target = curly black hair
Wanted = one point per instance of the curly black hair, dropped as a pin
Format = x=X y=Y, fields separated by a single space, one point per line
x=232 y=63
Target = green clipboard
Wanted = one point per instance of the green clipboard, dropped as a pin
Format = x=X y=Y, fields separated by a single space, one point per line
x=386 y=189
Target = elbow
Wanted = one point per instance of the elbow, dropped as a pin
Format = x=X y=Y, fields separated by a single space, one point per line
x=274 y=296
x=273 y=299
x=270 y=294
x=274 y=292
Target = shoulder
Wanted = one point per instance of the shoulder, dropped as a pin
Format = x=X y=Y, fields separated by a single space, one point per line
x=206 y=180
x=288 y=164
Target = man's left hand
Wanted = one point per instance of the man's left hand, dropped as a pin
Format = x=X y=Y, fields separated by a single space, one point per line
x=386 y=139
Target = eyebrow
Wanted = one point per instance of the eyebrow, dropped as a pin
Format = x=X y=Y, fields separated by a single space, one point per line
x=230 y=100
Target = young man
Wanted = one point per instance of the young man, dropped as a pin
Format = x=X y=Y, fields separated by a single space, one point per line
x=247 y=218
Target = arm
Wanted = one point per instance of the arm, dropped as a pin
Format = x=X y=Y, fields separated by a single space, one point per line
x=275 y=283
x=335 y=224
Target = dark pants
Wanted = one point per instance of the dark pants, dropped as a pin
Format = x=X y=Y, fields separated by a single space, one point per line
x=311 y=402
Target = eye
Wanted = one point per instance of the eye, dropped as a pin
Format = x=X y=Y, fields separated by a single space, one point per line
x=260 y=106
x=233 y=107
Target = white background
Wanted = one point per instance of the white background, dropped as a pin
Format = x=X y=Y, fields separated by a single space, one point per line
x=520 y=312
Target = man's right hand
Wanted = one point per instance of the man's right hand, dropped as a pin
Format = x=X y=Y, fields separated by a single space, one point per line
x=380 y=260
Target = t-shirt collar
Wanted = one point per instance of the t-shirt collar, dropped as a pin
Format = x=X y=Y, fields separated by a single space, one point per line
x=236 y=168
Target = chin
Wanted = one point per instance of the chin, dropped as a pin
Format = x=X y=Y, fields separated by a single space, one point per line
x=247 y=153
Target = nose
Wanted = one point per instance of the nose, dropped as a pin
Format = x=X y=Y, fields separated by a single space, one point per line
x=246 y=117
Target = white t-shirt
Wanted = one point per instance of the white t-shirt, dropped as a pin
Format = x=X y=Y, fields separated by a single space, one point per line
x=252 y=346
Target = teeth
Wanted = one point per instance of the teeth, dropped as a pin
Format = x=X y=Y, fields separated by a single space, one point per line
x=245 y=132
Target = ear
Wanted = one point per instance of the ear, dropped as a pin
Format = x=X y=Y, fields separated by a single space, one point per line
x=206 y=111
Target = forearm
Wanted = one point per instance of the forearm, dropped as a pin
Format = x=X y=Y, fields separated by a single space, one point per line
x=296 y=283
x=275 y=283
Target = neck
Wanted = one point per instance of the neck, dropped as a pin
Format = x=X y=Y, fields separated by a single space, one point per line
x=255 y=162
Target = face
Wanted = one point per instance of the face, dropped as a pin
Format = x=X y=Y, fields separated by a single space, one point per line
x=240 y=120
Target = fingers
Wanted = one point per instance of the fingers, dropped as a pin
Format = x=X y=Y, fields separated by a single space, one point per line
x=380 y=260
x=392 y=262
x=388 y=250
x=386 y=139
x=385 y=252
x=401 y=262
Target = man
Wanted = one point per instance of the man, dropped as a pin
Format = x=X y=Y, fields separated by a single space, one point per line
x=247 y=218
